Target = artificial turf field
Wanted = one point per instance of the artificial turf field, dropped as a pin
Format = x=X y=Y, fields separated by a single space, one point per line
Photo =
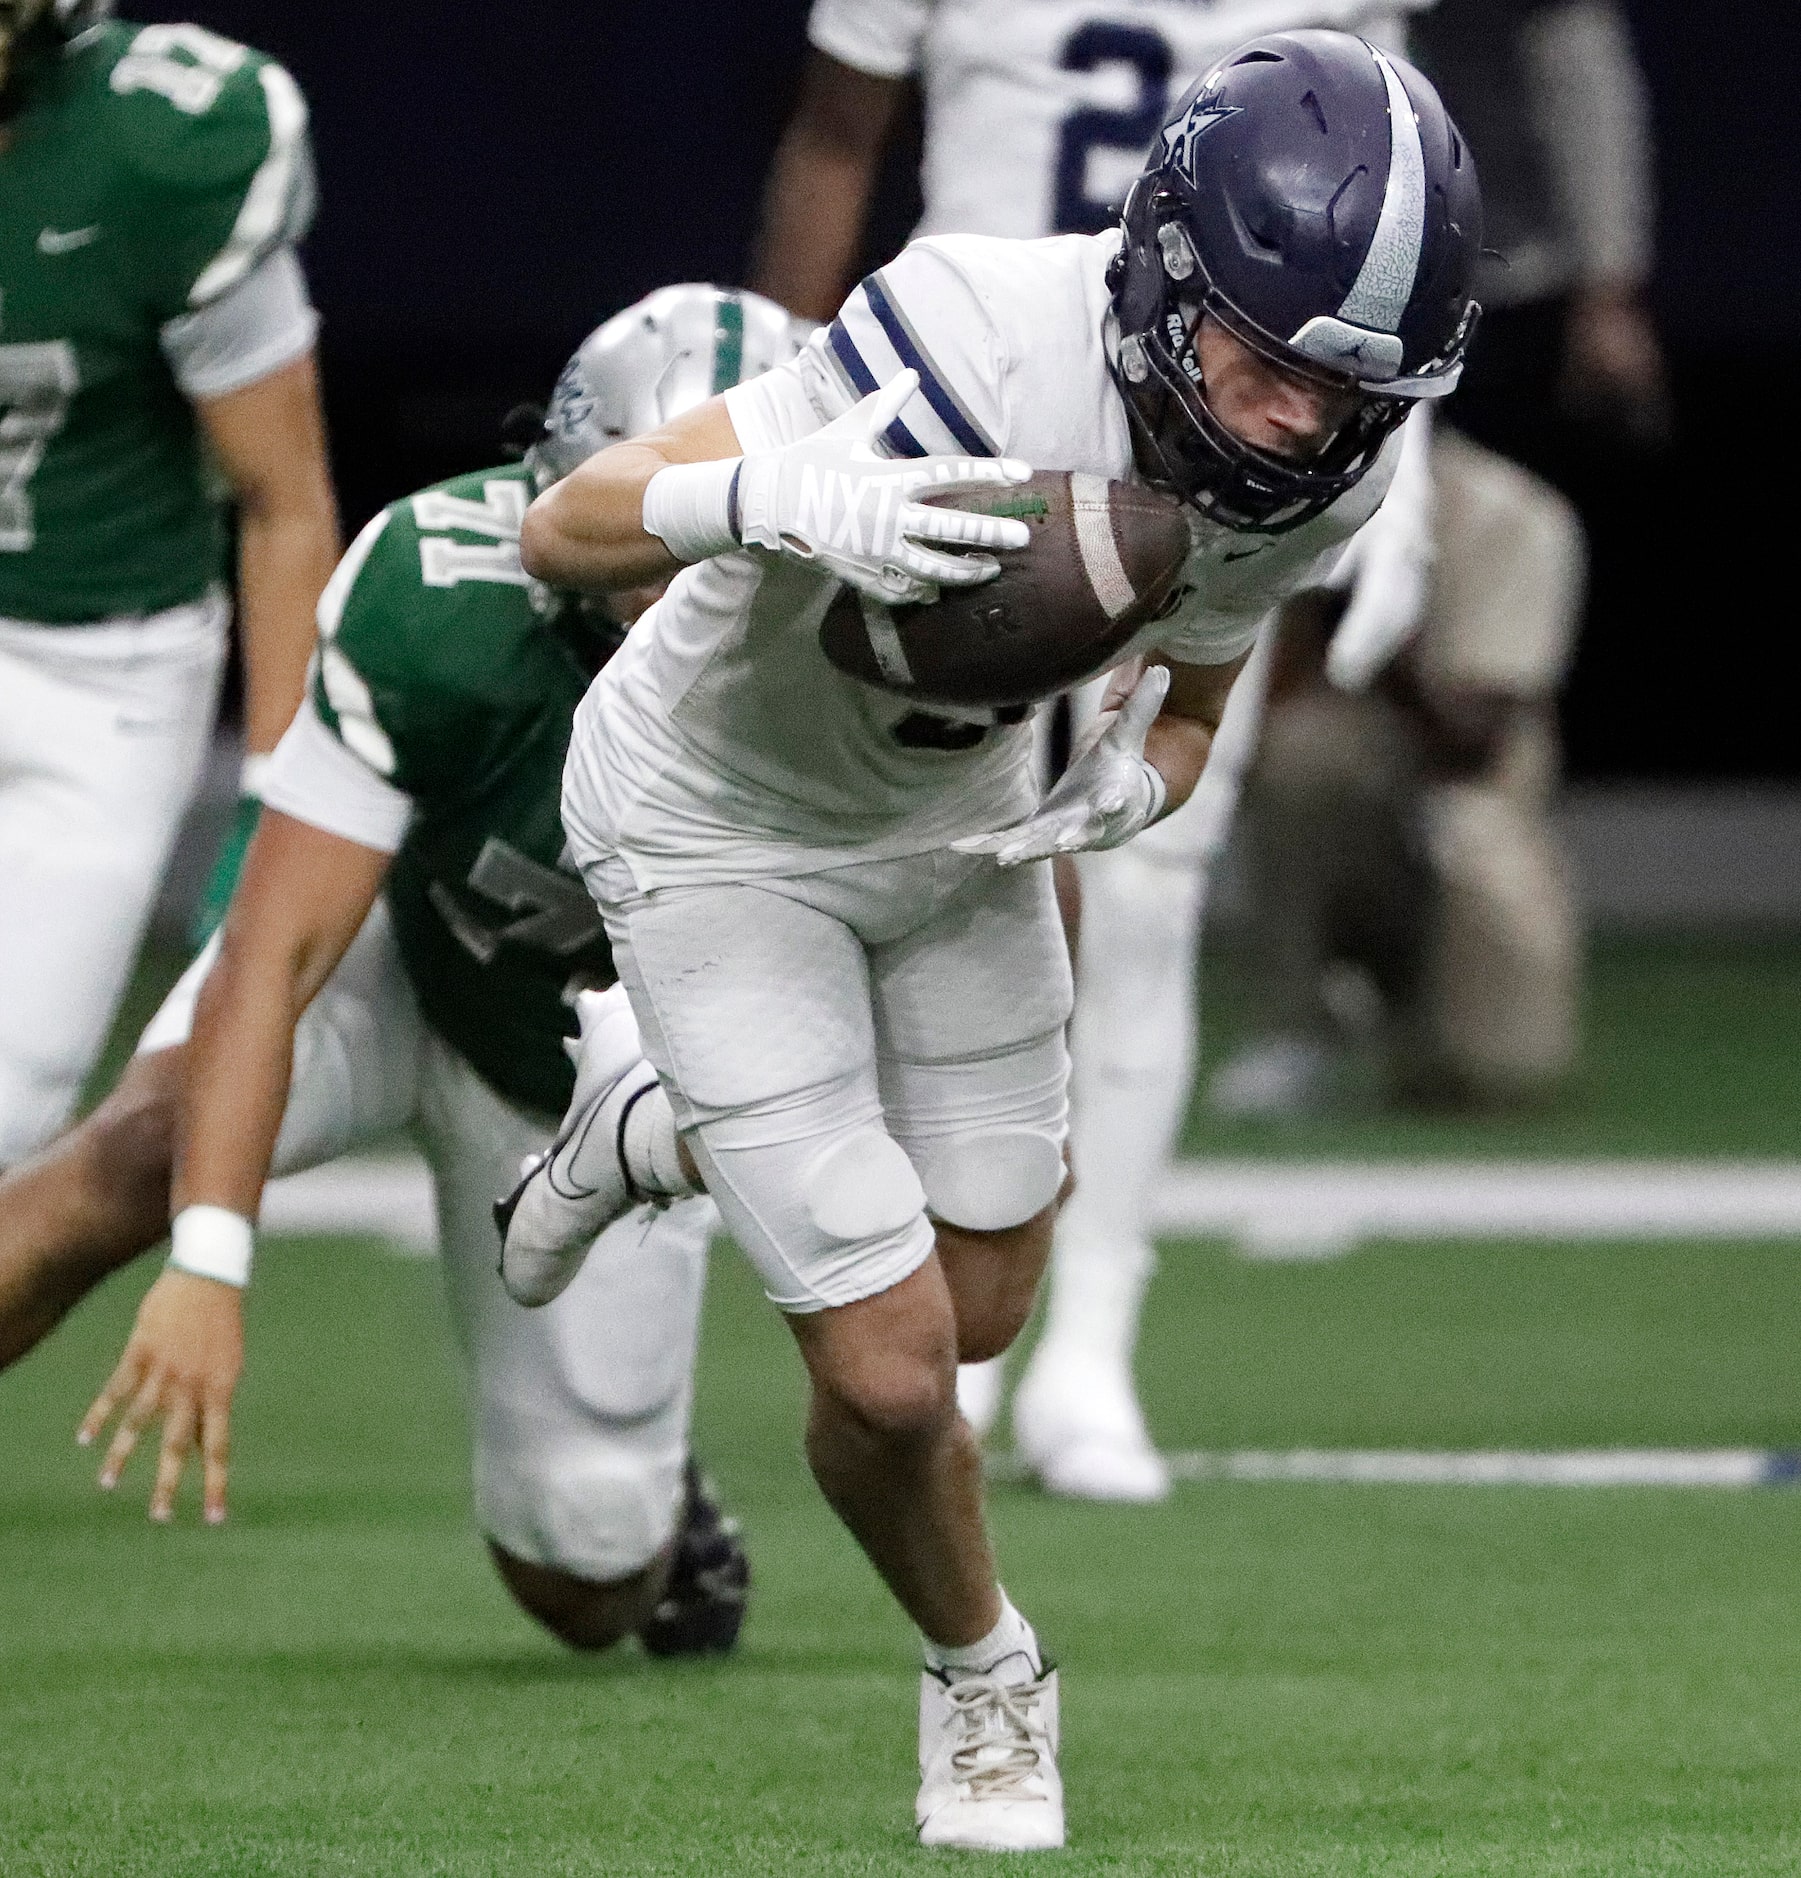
x=1260 y=1679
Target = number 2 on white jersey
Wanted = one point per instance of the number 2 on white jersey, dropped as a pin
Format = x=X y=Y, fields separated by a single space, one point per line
x=1124 y=136
x=37 y=380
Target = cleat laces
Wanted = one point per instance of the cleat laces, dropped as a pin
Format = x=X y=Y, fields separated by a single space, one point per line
x=996 y=1756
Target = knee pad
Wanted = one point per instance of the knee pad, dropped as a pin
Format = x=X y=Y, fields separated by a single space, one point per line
x=987 y=1181
x=596 y=1509
x=862 y=1186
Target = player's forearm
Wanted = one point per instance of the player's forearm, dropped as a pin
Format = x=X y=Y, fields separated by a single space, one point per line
x=589 y=532
x=286 y=551
x=303 y=897
x=1176 y=747
x=239 y=1060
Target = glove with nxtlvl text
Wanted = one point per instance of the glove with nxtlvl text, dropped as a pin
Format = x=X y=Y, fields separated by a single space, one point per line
x=832 y=500
x=1105 y=797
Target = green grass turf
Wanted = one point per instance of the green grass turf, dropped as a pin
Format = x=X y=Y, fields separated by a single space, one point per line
x=1689 y=1049
x=1271 y=1680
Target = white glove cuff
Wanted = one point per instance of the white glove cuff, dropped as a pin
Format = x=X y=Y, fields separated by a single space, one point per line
x=212 y=1242
x=692 y=508
x=1159 y=790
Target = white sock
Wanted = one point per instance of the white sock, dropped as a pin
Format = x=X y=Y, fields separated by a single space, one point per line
x=651 y=1147
x=1009 y=1653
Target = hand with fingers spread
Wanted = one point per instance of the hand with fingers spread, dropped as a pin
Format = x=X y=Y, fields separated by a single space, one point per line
x=1106 y=796
x=833 y=500
x=181 y=1364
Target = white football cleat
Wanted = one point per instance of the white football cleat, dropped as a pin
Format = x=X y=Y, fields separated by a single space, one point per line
x=1079 y=1428
x=979 y=1389
x=571 y=1192
x=988 y=1779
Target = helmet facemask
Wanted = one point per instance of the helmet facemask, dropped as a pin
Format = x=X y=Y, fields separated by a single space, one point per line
x=1186 y=446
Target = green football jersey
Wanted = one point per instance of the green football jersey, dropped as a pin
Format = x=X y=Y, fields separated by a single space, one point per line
x=148 y=171
x=438 y=667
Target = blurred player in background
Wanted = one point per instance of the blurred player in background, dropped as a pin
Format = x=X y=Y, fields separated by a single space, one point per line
x=858 y=1020
x=155 y=340
x=1551 y=97
x=1396 y=819
x=1407 y=832
x=405 y=949
x=1037 y=118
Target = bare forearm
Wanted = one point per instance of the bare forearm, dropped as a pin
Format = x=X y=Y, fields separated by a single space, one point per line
x=239 y=1061
x=1176 y=748
x=285 y=557
x=588 y=533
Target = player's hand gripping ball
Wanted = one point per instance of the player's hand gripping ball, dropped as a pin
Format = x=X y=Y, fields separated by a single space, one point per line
x=1103 y=560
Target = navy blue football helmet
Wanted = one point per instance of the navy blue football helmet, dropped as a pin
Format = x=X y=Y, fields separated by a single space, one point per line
x=1312 y=194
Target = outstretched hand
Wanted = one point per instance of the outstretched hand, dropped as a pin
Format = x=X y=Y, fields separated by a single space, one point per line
x=1104 y=798
x=833 y=499
x=181 y=1364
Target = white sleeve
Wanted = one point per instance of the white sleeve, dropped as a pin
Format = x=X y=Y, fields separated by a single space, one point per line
x=922 y=311
x=263 y=323
x=313 y=777
x=1595 y=118
x=880 y=37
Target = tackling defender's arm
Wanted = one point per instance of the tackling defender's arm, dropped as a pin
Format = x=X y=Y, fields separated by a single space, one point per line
x=303 y=897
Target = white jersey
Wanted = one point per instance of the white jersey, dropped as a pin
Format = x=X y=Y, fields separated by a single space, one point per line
x=1039 y=112
x=720 y=744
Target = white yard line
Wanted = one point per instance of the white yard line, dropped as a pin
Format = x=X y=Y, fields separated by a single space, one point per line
x=1598 y=1467
x=1318 y=1209
x=1271 y=1209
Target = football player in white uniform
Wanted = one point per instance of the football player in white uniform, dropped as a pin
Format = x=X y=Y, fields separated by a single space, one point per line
x=1037 y=116
x=848 y=975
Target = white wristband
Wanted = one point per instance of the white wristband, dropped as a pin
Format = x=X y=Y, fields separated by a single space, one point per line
x=692 y=508
x=212 y=1242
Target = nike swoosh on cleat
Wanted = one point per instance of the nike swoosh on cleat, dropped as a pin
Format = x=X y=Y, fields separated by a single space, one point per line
x=56 y=241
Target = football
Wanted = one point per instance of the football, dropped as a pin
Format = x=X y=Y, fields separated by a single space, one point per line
x=1104 y=561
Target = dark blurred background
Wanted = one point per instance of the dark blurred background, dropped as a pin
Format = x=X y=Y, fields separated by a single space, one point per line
x=498 y=179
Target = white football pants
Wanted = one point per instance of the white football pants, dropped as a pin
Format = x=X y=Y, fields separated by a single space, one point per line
x=103 y=732
x=580 y=1409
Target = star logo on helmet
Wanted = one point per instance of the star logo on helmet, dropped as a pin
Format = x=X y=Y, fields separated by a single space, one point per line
x=1181 y=137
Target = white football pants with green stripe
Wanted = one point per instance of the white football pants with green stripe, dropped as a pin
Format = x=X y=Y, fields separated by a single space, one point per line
x=103 y=732
x=579 y=1410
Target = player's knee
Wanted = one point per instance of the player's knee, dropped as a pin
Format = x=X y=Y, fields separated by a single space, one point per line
x=895 y=1394
x=585 y=1613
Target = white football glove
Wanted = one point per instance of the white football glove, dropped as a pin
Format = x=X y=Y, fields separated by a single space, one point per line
x=1105 y=797
x=831 y=500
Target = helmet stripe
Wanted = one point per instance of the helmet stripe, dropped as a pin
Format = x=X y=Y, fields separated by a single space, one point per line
x=1384 y=285
x=728 y=343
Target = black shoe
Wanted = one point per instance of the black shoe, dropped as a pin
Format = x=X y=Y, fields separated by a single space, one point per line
x=702 y=1608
